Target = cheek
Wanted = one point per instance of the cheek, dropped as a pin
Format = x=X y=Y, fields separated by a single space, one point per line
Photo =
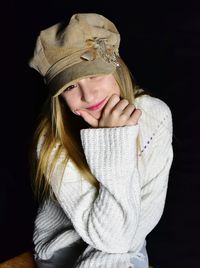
x=70 y=102
x=116 y=89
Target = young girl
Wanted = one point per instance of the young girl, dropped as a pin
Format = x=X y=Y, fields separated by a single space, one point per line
x=103 y=151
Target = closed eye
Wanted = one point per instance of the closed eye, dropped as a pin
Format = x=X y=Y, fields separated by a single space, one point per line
x=70 y=88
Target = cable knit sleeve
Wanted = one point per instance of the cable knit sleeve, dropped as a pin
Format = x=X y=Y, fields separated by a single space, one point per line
x=50 y=234
x=107 y=219
x=112 y=156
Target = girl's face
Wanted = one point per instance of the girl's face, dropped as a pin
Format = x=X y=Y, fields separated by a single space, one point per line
x=91 y=94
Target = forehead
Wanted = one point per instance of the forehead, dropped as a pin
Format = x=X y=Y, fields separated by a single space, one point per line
x=94 y=76
x=91 y=78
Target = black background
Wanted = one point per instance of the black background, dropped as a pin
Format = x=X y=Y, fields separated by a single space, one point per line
x=160 y=44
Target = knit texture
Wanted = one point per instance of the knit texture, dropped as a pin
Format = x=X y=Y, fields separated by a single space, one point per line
x=132 y=165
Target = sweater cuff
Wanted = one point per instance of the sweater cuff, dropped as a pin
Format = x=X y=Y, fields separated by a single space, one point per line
x=110 y=151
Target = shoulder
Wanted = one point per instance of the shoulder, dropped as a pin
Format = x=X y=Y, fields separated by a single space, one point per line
x=154 y=110
x=152 y=105
x=156 y=115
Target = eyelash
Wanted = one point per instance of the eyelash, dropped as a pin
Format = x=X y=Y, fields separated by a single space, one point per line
x=73 y=86
x=70 y=88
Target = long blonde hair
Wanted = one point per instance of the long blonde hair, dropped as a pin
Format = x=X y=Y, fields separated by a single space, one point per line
x=59 y=127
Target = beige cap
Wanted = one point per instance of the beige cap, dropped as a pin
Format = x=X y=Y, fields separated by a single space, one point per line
x=65 y=53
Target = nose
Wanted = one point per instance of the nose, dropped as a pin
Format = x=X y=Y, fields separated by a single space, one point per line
x=88 y=91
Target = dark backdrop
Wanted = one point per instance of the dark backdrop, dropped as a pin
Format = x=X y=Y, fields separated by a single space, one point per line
x=160 y=44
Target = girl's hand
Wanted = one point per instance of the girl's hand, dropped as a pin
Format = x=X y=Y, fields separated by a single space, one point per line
x=116 y=113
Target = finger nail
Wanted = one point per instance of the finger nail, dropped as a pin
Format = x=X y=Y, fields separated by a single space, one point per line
x=76 y=112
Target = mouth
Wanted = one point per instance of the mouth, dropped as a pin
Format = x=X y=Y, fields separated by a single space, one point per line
x=97 y=106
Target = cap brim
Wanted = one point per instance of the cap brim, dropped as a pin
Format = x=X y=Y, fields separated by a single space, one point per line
x=79 y=71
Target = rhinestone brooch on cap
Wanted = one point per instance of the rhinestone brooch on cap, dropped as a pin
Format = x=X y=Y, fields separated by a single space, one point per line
x=99 y=46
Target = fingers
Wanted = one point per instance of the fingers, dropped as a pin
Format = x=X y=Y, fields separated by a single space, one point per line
x=125 y=107
x=118 y=106
x=119 y=112
x=121 y=105
x=133 y=120
x=114 y=99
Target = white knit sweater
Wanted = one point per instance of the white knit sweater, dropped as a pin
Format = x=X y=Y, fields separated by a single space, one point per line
x=132 y=164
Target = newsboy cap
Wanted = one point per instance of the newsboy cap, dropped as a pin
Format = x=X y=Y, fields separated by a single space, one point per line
x=86 y=46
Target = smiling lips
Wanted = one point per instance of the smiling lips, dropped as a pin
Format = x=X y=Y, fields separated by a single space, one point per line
x=96 y=106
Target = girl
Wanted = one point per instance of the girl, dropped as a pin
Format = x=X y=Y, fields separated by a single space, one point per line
x=102 y=154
